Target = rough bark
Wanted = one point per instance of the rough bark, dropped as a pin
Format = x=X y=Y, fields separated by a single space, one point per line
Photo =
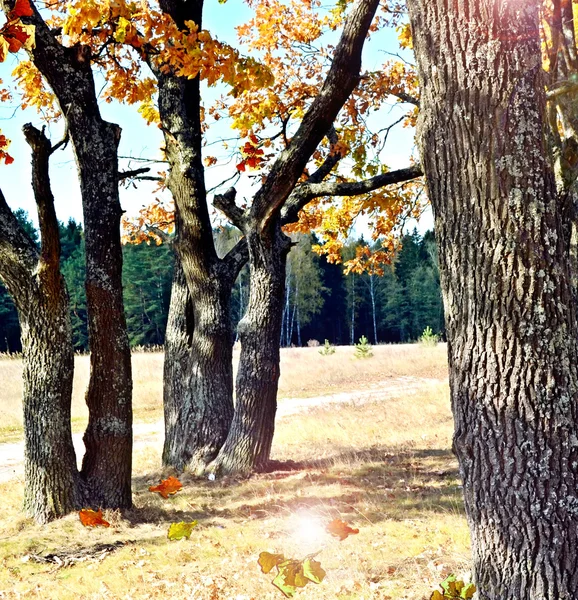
x=248 y=444
x=107 y=463
x=510 y=317
x=52 y=485
x=198 y=380
x=249 y=441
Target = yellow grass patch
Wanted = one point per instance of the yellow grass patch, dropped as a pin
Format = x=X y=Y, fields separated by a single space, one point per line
x=383 y=466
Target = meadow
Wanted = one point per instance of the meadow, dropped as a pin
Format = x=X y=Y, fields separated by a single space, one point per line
x=379 y=460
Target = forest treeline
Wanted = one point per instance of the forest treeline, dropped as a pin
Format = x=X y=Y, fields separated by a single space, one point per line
x=321 y=301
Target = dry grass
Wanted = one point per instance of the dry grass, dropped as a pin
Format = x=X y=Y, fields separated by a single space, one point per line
x=304 y=372
x=384 y=467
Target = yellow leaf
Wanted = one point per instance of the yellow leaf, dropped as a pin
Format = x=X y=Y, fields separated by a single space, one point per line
x=267 y=561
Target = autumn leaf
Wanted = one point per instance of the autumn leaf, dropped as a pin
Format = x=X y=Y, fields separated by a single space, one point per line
x=313 y=571
x=267 y=561
x=290 y=577
x=167 y=487
x=21 y=8
x=178 y=531
x=340 y=529
x=436 y=596
x=92 y=518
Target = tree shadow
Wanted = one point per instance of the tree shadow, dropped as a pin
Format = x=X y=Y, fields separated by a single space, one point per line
x=379 y=482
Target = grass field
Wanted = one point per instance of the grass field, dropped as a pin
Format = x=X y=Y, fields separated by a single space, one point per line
x=384 y=467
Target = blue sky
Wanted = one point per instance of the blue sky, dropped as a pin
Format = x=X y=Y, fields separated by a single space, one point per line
x=142 y=141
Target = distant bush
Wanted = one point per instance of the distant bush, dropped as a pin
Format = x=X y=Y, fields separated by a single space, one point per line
x=363 y=349
x=313 y=343
x=327 y=349
x=428 y=337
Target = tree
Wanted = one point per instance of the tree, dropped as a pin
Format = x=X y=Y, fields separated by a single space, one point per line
x=32 y=275
x=308 y=99
x=503 y=240
x=304 y=292
x=108 y=439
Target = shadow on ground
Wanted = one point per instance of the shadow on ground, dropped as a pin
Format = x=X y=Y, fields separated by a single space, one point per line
x=381 y=483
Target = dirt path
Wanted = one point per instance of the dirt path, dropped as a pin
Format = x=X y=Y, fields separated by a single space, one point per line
x=145 y=434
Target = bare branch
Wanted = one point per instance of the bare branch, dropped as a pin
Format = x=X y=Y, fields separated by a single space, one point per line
x=330 y=161
x=561 y=88
x=226 y=204
x=406 y=98
x=305 y=192
x=49 y=233
x=134 y=173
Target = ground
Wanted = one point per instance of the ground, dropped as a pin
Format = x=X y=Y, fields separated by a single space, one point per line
x=365 y=441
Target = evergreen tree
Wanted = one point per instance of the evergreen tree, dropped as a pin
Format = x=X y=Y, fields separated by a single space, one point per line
x=147 y=277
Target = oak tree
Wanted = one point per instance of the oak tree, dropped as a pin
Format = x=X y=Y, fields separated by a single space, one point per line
x=503 y=233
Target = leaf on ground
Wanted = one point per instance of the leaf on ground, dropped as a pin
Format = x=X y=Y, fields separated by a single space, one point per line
x=167 y=487
x=178 y=531
x=436 y=596
x=290 y=577
x=267 y=561
x=313 y=571
x=92 y=518
x=468 y=591
x=340 y=529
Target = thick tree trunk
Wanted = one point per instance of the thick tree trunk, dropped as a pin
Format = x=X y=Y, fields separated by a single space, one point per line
x=52 y=485
x=511 y=323
x=198 y=374
x=108 y=438
x=248 y=444
x=107 y=463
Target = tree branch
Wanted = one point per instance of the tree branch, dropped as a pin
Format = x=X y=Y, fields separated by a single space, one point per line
x=226 y=204
x=342 y=78
x=18 y=254
x=330 y=161
x=49 y=233
x=305 y=192
x=134 y=173
x=406 y=98
x=232 y=263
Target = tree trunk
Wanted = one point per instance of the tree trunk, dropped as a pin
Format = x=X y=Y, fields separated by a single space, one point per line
x=107 y=462
x=248 y=444
x=198 y=373
x=510 y=318
x=108 y=439
x=52 y=485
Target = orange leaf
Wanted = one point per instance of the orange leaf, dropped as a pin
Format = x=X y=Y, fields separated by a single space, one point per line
x=340 y=529
x=241 y=166
x=22 y=8
x=16 y=36
x=167 y=487
x=92 y=518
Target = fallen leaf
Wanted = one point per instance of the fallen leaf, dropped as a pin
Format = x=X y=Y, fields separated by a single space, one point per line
x=340 y=529
x=267 y=561
x=313 y=571
x=167 y=487
x=92 y=518
x=178 y=531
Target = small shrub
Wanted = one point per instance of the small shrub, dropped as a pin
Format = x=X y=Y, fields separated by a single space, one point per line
x=363 y=349
x=327 y=349
x=313 y=343
x=428 y=337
